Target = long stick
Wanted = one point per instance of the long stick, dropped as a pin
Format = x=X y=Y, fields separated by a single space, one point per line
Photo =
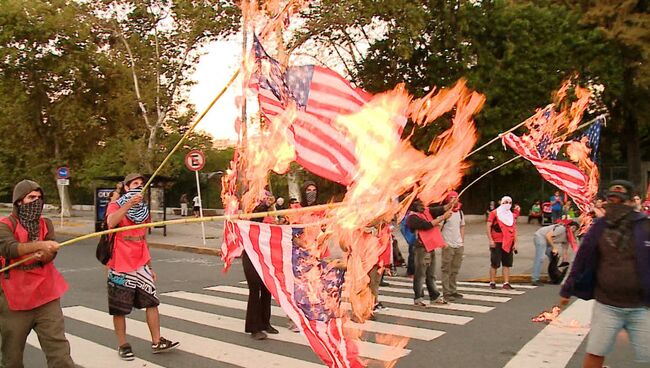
x=488 y=172
x=189 y=131
x=516 y=157
x=242 y=216
x=265 y=31
x=496 y=138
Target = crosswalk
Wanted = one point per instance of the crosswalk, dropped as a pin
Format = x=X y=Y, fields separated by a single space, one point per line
x=219 y=311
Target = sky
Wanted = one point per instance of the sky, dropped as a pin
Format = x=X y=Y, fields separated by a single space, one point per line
x=215 y=68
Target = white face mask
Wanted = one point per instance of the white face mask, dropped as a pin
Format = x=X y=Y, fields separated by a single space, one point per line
x=507 y=206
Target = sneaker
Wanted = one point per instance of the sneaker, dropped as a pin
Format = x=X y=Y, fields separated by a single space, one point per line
x=440 y=300
x=259 y=335
x=457 y=295
x=419 y=304
x=272 y=330
x=164 y=345
x=506 y=286
x=537 y=283
x=292 y=327
x=493 y=285
x=125 y=352
x=449 y=297
x=384 y=284
x=379 y=307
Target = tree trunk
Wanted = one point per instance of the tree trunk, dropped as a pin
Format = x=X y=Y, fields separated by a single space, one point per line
x=151 y=150
x=633 y=148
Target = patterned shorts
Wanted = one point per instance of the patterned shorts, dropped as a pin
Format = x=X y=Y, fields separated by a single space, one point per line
x=128 y=290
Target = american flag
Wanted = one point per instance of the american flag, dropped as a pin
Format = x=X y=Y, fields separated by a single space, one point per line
x=320 y=95
x=564 y=175
x=306 y=289
x=593 y=137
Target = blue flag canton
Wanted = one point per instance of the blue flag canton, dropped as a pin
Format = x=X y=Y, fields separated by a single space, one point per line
x=290 y=86
x=593 y=138
x=317 y=288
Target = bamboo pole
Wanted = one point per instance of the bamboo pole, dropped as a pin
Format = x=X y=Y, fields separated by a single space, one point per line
x=268 y=27
x=241 y=216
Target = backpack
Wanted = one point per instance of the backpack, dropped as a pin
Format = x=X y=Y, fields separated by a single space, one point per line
x=409 y=234
x=104 y=250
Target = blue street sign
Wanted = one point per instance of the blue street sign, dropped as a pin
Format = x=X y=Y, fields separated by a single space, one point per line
x=63 y=172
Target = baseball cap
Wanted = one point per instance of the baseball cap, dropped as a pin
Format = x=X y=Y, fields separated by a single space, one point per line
x=131 y=177
x=620 y=188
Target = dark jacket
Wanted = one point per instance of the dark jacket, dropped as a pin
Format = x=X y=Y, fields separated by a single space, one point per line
x=414 y=222
x=582 y=278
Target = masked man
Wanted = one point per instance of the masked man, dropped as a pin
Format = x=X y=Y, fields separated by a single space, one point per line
x=31 y=292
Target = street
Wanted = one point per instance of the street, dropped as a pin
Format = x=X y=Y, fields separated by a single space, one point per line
x=204 y=309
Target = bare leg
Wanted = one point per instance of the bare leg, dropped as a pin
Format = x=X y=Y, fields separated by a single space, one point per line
x=119 y=322
x=593 y=361
x=506 y=275
x=493 y=274
x=153 y=321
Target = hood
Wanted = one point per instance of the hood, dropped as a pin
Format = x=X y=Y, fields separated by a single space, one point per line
x=22 y=189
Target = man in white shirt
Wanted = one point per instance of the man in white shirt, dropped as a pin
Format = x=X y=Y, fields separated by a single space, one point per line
x=197 y=206
x=453 y=232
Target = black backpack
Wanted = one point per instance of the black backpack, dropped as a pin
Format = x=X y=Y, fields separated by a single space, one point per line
x=104 y=250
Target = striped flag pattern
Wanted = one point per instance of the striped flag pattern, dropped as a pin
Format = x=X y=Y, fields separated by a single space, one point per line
x=320 y=95
x=564 y=175
x=280 y=265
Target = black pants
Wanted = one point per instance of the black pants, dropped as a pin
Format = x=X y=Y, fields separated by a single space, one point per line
x=258 y=310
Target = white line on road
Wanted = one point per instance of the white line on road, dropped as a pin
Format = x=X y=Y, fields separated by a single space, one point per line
x=450 y=306
x=484 y=298
x=395 y=312
x=370 y=326
x=366 y=349
x=556 y=343
x=198 y=345
x=89 y=354
x=465 y=288
x=465 y=283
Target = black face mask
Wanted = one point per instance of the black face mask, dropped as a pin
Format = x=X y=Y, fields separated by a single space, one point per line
x=29 y=215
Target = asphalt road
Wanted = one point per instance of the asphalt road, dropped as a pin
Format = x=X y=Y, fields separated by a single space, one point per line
x=487 y=333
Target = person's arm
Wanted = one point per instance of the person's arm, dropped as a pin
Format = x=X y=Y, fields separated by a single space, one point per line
x=116 y=216
x=10 y=248
x=490 y=221
x=415 y=222
x=549 y=240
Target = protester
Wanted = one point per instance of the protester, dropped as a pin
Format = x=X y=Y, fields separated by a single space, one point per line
x=279 y=204
x=131 y=278
x=309 y=194
x=535 y=212
x=556 y=206
x=425 y=223
x=258 y=309
x=22 y=309
x=184 y=202
x=598 y=209
x=547 y=241
x=196 y=209
x=453 y=232
x=113 y=196
x=611 y=266
x=502 y=234
x=638 y=206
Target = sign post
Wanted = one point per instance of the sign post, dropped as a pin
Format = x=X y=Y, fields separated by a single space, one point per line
x=195 y=160
x=62 y=180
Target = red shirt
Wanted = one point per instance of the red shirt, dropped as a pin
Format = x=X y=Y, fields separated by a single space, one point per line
x=131 y=250
x=492 y=220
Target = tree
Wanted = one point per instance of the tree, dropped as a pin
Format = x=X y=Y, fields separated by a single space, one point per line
x=160 y=41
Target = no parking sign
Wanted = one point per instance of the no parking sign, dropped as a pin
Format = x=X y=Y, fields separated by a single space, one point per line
x=195 y=160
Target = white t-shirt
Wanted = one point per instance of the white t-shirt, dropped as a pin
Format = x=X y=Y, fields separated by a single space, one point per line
x=196 y=201
x=451 y=230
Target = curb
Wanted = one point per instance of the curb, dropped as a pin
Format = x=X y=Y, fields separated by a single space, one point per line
x=167 y=246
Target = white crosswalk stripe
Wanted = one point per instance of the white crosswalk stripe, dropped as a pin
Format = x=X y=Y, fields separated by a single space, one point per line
x=422 y=316
x=209 y=348
x=464 y=283
x=90 y=354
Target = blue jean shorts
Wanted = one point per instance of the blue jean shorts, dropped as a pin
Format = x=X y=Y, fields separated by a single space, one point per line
x=607 y=321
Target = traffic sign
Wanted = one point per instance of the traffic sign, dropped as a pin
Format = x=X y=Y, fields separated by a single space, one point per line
x=63 y=181
x=63 y=172
x=195 y=160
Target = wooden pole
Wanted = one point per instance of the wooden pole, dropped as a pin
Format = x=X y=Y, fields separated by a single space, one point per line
x=241 y=216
